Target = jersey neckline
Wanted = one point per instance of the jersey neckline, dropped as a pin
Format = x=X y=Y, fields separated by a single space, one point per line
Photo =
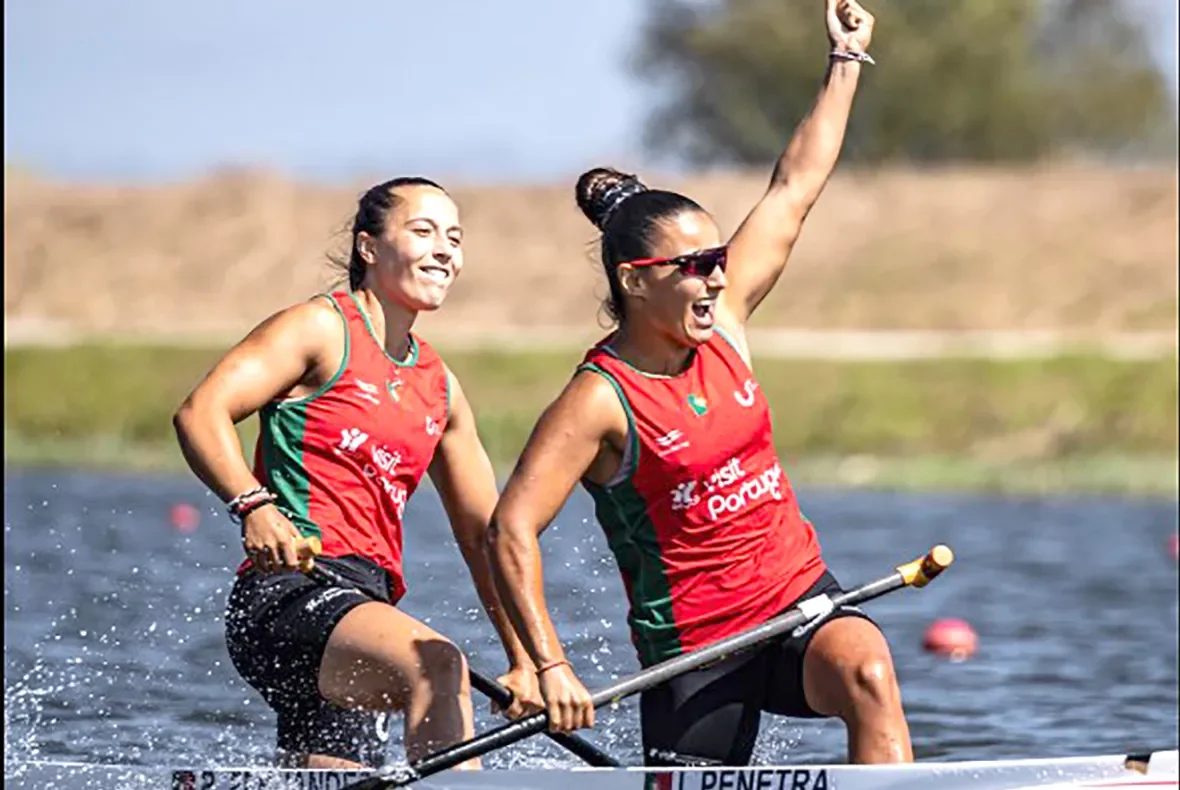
x=411 y=358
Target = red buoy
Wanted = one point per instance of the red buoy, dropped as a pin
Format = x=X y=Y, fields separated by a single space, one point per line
x=184 y=517
x=1174 y=545
x=952 y=638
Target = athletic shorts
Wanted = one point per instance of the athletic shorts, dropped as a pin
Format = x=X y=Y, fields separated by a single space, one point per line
x=710 y=716
x=277 y=627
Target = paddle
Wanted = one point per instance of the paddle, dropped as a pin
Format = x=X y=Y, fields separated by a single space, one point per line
x=578 y=746
x=918 y=573
x=310 y=548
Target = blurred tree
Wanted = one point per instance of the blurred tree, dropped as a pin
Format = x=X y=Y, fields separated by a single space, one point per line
x=983 y=80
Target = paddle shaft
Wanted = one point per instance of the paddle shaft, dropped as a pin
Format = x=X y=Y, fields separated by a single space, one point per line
x=578 y=746
x=574 y=744
x=917 y=573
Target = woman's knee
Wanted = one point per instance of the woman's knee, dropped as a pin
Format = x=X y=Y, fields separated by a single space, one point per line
x=442 y=670
x=443 y=664
x=872 y=684
x=848 y=670
x=856 y=687
x=379 y=657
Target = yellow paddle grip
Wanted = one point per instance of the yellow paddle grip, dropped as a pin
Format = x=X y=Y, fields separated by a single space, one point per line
x=921 y=571
x=308 y=548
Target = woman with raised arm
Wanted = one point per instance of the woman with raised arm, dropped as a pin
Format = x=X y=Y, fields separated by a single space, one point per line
x=665 y=426
x=354 y=409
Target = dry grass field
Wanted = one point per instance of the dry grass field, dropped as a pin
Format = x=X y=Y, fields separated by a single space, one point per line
x=1062 y=248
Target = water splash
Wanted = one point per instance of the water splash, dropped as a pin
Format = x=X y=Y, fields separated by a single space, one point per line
x=24 y=717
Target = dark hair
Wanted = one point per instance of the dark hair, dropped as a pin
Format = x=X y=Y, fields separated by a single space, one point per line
x=627 y=213
x=371 y=212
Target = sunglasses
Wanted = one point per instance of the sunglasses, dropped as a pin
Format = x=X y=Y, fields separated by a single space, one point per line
x=696 y=264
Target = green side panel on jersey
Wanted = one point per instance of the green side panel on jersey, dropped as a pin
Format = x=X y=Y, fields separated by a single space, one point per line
x=282 y=428
x=282 y=455
x=623 y=513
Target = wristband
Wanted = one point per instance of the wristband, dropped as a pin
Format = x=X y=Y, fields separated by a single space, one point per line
x=243 y=504
x=251 y=506
x=859 y=57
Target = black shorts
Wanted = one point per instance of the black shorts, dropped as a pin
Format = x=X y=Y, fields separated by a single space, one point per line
x=711 y=716
x=277 y=627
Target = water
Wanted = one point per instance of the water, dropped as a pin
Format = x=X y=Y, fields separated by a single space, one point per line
x=113 y=646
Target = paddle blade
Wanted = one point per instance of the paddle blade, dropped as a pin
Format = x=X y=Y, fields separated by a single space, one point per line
x=922 y=571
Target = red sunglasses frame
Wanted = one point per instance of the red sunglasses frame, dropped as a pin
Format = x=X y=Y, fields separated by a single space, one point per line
x=697 y=264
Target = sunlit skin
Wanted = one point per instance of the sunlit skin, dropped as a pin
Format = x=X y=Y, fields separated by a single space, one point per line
x=669 y=313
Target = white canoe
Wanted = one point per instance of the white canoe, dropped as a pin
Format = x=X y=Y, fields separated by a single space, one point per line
x=1158 y=770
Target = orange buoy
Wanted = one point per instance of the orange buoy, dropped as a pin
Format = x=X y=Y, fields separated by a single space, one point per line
x=952 y=638
x=184 y=517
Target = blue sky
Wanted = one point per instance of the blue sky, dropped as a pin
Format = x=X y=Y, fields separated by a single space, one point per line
x=518 y=90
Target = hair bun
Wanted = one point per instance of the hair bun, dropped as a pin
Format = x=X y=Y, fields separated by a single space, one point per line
x=602 y=190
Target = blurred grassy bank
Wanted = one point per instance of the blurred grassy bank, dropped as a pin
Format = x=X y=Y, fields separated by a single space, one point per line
x=1070 y=423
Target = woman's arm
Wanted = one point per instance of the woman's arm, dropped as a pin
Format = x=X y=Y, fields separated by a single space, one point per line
x=274 y=358
x=279 y=355
x=563 y=446
x=760 y=247
x=467 y=484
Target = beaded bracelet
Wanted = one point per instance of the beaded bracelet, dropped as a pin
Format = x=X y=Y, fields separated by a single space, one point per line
x=243 y=504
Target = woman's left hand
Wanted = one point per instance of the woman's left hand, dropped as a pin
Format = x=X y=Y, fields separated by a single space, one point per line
x=850 y=27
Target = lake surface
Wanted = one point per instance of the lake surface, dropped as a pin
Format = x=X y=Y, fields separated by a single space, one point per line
x=114 y=650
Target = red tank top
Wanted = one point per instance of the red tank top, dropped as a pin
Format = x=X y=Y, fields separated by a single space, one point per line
x=701 y=518
x=344 y=460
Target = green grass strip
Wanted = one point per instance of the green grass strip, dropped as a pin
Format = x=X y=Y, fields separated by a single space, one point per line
x=1100 y=423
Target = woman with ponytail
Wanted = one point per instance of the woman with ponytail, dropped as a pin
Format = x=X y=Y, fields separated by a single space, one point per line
x=354 y=409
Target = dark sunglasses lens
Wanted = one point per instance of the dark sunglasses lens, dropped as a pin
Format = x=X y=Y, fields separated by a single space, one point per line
x=702 y=264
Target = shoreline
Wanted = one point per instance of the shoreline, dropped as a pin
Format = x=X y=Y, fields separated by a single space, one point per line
x=850 y=345
x=1135 y=476
x=1055 y=424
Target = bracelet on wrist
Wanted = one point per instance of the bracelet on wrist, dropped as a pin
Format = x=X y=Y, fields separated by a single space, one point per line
x=546 y=667
x=251 y=506
x=858 y=57
x=243 y=504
